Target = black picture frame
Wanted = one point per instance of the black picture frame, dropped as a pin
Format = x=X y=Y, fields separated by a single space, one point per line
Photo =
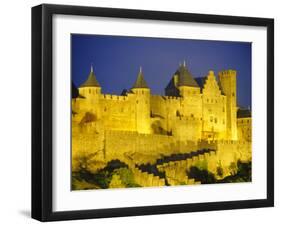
x=42 y=107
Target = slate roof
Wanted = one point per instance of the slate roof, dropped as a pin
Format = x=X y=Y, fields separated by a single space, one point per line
x=201 y=81
x=91 y=80
x=244 y=113
x=171 y=84
x=140 y=82
x=185 y=77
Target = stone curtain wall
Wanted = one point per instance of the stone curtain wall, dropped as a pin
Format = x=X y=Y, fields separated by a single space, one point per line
x=87 y=147
x=118 y=143
x=101 y=146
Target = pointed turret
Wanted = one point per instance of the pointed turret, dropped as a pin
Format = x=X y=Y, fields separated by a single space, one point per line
x=140 y=82
x=91 y=91
x=91 y=80
x=185 y=77
x=142 y=100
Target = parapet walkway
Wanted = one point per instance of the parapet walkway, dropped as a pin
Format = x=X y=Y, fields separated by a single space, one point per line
x=173 y=169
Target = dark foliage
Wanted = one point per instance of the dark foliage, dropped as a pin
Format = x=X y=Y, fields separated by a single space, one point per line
x=103 y=177
x=115 y=164
x=201 y=175
x=74 y=91
x=244 y=173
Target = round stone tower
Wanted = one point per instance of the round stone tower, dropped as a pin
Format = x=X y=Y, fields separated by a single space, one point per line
x=90 y=90
x=142 y=104
x=227 y=81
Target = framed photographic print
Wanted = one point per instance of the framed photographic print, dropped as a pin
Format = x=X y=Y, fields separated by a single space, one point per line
x=146 y=112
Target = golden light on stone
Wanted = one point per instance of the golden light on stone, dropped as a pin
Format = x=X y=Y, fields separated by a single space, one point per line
x=138 y=139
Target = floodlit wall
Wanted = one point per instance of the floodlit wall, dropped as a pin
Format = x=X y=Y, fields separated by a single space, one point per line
x=244 y=128
x=141 y=128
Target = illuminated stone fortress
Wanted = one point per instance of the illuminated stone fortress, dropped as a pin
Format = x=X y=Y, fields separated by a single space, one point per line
x=138 y=128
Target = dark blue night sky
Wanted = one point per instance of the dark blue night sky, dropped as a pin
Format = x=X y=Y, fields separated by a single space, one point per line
x=116 y=61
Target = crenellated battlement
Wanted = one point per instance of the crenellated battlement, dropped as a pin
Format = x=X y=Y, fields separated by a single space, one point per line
x=114 y=97
x=168 y=98
x=216 y=142
x=228 y=72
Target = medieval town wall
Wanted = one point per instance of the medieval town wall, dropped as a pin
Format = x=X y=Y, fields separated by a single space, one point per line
x=244 y=129
x=120 y=143
x=118 y=112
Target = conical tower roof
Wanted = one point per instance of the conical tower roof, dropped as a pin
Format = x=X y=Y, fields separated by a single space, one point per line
x=140 y=82
x=91 y=80
x=185 y=77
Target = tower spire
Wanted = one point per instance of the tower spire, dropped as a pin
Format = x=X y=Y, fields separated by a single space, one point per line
x=140 y=82
x=92 y=70
x=91 y=80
